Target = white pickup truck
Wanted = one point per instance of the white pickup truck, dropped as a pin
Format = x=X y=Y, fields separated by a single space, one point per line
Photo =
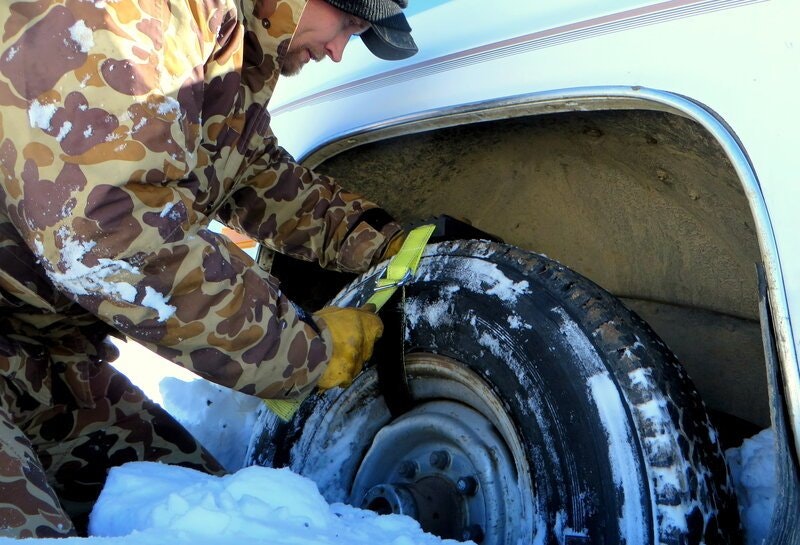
x=648 y=148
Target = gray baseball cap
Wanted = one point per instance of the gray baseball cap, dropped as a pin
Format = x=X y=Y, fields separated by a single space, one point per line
x=389 y=36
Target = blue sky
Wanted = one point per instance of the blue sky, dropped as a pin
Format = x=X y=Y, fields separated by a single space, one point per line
x=417 y=6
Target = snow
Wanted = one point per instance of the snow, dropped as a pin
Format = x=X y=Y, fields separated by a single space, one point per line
x=561 y=527
x=220 y=418
x=169 y=106
x=12 y=52
x=82 y=35
x=104 y=277
x=167 y=209
x=434 y=312
x=40 y=115
x=639 y=377
x=64 y=130
x=195 y=404
x=753 y=471
x=146 y=502
x=624 y=469
x=79 y=279
x=486 y=277
x=491 y=342
x=158 y=302
x=515 y=322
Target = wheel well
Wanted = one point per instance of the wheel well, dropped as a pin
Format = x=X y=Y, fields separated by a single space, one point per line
x=645 y=203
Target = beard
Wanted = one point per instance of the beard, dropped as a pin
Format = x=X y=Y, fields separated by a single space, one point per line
x=289 y=61
x=292 y=62
x=294 y=59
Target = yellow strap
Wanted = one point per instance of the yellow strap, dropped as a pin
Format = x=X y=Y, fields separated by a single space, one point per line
x=402 y=266
x=284 y=408
x=399 y=271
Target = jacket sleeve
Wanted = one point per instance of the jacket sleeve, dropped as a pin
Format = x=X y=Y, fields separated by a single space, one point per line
x=306 y=215
x=133 y=255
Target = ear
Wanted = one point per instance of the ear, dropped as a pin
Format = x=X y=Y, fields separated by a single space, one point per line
x=264 y=9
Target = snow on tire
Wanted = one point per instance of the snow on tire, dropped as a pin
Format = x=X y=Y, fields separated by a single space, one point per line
x=574 y=422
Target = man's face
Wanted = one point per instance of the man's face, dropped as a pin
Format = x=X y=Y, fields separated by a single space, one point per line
x=323 y=30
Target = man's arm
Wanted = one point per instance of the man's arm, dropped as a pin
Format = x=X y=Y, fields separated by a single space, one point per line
x=136 y=255
x=300 y=213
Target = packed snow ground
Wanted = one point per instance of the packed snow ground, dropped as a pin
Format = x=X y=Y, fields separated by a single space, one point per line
x=149 y=504
x=272 y=506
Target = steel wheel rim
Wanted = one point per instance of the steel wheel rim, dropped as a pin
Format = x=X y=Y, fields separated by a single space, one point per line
x=473 y=428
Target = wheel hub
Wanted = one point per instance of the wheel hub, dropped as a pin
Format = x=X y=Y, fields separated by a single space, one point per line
x=345 y=451
x=433 y=501
x=445 y=465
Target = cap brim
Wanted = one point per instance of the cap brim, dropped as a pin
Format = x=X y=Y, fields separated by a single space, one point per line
x=389 y=43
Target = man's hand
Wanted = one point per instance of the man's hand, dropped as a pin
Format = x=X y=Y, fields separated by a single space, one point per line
x=394 y=246
x=354 y=331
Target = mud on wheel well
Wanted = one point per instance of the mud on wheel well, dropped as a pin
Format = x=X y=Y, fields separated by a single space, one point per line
x=644 y=203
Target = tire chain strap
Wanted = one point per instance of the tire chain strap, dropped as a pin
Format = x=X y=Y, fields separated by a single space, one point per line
x=391 y=364
x=399 y=272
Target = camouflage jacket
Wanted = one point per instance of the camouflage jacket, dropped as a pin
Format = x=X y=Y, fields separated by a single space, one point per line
x=126 y=126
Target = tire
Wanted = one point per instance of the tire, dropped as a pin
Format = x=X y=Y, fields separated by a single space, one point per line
x=545 y=412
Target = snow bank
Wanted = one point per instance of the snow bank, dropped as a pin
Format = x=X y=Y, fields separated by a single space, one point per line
x=753 y=471
x=220 y=418
x=272 y=506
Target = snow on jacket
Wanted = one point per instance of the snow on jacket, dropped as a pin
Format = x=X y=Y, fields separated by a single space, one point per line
x=126 y=126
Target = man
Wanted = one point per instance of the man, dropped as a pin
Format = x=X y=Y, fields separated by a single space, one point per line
x=125 y=128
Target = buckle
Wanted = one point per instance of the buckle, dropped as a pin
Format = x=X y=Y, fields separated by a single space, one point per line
x=407 y=277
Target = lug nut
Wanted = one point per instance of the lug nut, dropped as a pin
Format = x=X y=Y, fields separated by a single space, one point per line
x=407 y=469
x=467 y=485
x=440 y=459
x=472 y=532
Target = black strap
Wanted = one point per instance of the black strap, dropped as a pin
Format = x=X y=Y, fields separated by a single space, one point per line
x=388 y=358
x=450 y=228
x=377 y=218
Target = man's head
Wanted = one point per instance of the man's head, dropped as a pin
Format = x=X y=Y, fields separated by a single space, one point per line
x=327 y=25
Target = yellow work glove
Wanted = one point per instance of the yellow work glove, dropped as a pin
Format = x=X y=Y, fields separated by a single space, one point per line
x=394 y=246
x=354 y=332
